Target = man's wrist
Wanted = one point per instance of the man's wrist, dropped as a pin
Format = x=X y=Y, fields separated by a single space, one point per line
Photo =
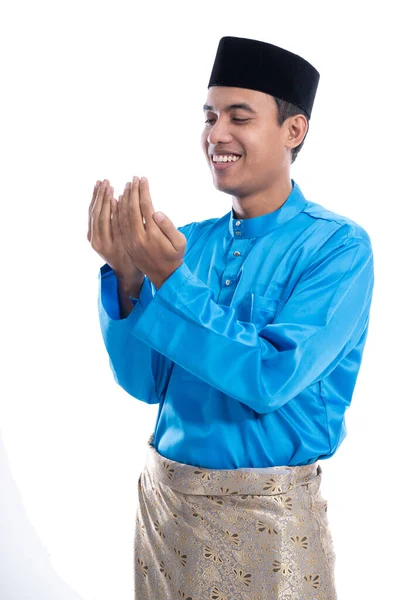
x=128 y=286
x=128 y=279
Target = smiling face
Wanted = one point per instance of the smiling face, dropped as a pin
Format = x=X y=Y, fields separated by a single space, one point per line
x=254 y=133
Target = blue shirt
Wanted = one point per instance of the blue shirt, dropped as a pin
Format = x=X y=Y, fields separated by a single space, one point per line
x=252 y=347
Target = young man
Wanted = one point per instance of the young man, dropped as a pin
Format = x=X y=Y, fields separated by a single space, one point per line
x=250 y=339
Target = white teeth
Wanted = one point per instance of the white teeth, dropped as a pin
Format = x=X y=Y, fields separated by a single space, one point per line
x=225 y=158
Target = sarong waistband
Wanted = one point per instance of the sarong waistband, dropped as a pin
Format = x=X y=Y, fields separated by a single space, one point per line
x=189 y=479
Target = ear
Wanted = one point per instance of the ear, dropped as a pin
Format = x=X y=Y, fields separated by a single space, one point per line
x=297 y=130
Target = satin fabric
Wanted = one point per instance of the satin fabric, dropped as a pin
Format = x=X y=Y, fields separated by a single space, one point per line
x=252 y=347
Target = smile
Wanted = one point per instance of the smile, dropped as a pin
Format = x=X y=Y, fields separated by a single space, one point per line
x=222 y=166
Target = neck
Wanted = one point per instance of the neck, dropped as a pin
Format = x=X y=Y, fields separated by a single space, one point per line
x=262 y=202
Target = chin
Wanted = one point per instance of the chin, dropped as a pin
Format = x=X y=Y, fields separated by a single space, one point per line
x=219 y=185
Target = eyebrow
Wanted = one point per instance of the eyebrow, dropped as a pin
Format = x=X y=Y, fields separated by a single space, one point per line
x=242 y=105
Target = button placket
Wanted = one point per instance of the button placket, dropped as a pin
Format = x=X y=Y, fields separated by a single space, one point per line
x=231 y=281
x=238 y=224
x=238 y=233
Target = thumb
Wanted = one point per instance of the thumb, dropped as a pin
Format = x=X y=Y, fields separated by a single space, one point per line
x=169 y=229
x=158 y=217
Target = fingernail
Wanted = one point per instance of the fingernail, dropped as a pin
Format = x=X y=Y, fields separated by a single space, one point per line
x=143 y=180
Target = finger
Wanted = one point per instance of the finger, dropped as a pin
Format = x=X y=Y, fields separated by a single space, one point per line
x=123 y=211
x=135 y=214
x=130 y=215
x=123 y=203
x=114 y=205
x=115 y=224
x=145 y=203
x=97 y=210
x=105 y=217
x=113 y=220
x=95 y=190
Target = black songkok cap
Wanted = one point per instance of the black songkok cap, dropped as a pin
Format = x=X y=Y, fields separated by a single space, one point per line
x=256 y=65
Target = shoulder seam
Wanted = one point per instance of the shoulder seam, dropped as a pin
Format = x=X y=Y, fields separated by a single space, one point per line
x=324 y=218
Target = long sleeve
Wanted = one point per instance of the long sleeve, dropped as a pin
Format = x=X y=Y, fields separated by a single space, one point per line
x=320 y=322
x=137 y=368
x=131 y=361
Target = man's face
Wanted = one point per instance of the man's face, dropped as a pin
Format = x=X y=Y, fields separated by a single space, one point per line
x=256 y=136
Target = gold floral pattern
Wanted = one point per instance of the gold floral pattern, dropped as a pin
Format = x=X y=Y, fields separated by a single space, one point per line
x=196 y=514
x=313 y=580
x=184 y=596
x=243 y=577
x=209 y=553
x=284 y=502
x=182 y=557
x=273 y=487
x=216 y=594
x=232 y=537
x=216 y=499
x=280 y=567
x=231 y=534
x=144 y=569
x=158 y=529
x=300 y=542
x=203 y=474
x=170 y=471
x=164 y=571
x=261 y=526
x=240 y=474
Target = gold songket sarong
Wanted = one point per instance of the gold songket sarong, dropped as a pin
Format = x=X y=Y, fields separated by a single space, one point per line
x=231 y=534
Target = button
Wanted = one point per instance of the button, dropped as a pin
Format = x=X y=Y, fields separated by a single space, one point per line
x=238 y=232
x=227 y=282
x=236 y=253
x=238 y=223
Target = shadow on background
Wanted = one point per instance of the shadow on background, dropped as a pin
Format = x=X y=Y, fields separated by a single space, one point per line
x=25 y=567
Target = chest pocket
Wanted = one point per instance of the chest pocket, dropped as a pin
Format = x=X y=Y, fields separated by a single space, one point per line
x=259 y=310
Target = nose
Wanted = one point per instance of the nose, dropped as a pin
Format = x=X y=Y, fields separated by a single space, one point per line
x=219 y=132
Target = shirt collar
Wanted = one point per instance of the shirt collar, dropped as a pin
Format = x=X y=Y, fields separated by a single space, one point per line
x=256 y=226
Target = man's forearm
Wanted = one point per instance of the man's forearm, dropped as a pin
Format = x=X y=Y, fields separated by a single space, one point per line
x=126 y=288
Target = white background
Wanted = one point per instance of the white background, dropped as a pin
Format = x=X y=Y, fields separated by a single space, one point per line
x=94 y=90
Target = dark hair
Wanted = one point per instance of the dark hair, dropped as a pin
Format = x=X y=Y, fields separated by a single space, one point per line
x=285 y=110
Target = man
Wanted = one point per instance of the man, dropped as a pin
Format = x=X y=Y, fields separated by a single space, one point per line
x=250 y=339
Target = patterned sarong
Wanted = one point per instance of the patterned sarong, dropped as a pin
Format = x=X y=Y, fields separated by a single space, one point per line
x=231 y=534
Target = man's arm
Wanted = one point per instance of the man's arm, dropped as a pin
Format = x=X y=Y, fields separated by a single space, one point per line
x=319 y=324
x=131 y=361
x=136 y=367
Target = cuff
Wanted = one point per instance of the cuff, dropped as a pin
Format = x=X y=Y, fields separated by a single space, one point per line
x=109 y=295
x=171 y=295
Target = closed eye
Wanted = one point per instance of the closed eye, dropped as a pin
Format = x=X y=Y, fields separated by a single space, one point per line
x=234 y=119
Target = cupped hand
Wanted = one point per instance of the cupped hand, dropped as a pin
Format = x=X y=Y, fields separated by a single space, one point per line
x=104 y=234
x=156 y=248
